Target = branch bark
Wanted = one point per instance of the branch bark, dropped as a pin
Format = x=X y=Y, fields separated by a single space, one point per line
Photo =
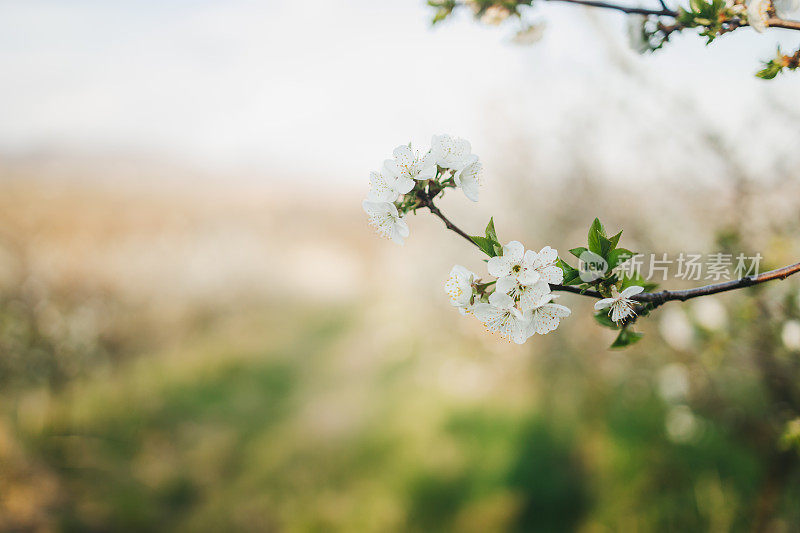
x=773 y=22
x=655 y=298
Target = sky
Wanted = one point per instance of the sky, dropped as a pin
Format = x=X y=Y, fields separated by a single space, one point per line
x=326 y=88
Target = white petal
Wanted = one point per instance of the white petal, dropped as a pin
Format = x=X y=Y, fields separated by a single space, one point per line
x=404 y=185
x=402 y=227
x=427 y=168
x=372 y=207
x=382 y=195
x=462 y=146
x=757 y=14
x=528 y=276
x=548 y=317
x=471 y=190
x=501 y=300
x=602 y=304
x=513 y=251
x=390 y=168
x=499 y=266
x=552 y=274
x=461 y=272
x=404 y=156
x=519 y=332
x=486 y=312
x=533 y=294
x=547 y=256
x=530 y=258
x=631 y=291
x=506 y=284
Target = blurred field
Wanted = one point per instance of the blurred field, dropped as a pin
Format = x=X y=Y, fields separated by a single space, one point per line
x=256 y=359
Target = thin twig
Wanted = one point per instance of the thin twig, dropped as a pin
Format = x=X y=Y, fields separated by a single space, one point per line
x=748 y=281
x=664 y=12
x=773 y=22
x=655 y=298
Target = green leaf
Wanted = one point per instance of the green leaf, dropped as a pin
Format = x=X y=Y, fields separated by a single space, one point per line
x=572 y=276
x=615 y=240
x=626 y=337
x=490 y=232
x=605 y=247
x=596 y=232
x=772 y=69
x=618 y=256
x=486 y=245
x=577 y=251
x=603 y=319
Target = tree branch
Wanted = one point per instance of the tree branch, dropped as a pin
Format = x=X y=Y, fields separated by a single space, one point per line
x=773 y=22
x=655 y=298
x=663 y=12
x=660 y=297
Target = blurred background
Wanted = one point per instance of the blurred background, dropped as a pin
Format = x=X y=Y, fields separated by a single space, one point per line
x=198 y=329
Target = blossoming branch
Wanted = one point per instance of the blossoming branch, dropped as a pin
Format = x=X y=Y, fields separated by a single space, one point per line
x=515 y=299
x=651 y=28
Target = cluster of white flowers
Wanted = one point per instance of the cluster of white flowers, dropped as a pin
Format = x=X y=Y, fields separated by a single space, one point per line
x=448 y=163
x=521 y=304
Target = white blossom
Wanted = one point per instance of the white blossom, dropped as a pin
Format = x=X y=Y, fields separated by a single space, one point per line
x=502 y=317
x=469 y=179
x=620 y=303
x=546 y=316
x=545 y=265
x=387 y=186
x=757 y=14
x=386 y=220
x=459 y=287
x=408 y=164
x=515 y=263
x=528 y=295
x=450 y=153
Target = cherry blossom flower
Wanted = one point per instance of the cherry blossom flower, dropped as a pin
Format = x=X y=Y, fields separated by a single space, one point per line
x=515 y=263
x=545 y=265
x=408 y=164
x=450 y=153
x=546 y=316
x=620 y=303
x=459 y=287
x=501 y=317
x=528 y=295
x=386 y=186
x=386 y=220
x=758 y=14
x=531 y=295
x=469 y=179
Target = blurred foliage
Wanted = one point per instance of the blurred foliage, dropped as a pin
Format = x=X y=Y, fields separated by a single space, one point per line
x=379 y=410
